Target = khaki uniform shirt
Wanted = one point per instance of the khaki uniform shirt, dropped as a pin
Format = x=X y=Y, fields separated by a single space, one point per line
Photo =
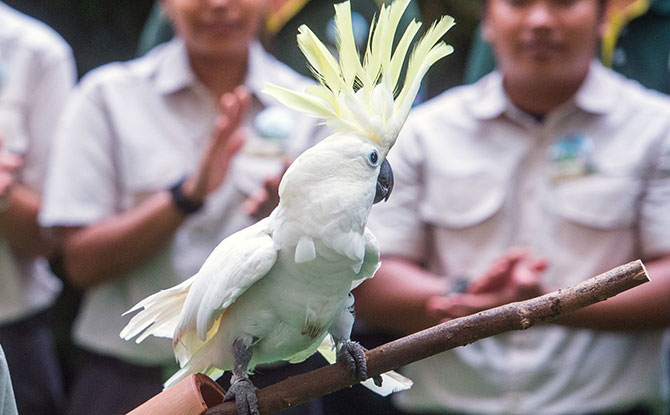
x=37 y=72
x=588 y=188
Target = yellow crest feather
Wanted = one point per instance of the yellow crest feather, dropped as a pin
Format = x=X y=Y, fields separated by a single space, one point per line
x=359 y=96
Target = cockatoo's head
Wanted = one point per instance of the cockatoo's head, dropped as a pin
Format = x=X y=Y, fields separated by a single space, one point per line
x=343 y=169
x=363 y=161
x=367 y=98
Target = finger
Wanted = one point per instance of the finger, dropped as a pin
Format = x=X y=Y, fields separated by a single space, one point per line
x=226 y=151
x=493 y=279
x=220 y=134
x=232 y=107
x=527 y=281
x=235 y=143
x=539 y=264
x=526 y=278
x=243 y=99
x=221 y=159
x=500 y=271
x=228 y=113
x=253 y=204
x=221 y=139
x=235 y=105
x=5 y=181
x=436 y=306
x=9 y=162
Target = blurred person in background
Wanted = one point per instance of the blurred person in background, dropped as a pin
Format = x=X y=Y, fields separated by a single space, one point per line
x=280 y=26
x=158 y=160
x=635 y=43
x=36 y=74
x=546 y=172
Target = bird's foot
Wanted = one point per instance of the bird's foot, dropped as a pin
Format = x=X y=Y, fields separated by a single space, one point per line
x=244 y=393
x=353 y=356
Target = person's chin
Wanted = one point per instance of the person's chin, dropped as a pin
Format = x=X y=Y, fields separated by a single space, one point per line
x=218 y=48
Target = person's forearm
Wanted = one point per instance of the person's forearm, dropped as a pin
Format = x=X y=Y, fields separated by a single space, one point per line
x=395 y=299
x=114 y=246
x=645 y=307
x=18 y=223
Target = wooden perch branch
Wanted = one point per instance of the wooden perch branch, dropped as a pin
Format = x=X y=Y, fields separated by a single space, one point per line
x=458 y=332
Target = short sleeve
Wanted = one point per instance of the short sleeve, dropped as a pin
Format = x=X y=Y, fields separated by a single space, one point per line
x=655 y=209
x=397 y=223
x=80 y=186
x=54 y=83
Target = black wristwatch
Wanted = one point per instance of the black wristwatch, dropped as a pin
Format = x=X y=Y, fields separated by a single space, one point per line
x=459 y=285
x=183 y=203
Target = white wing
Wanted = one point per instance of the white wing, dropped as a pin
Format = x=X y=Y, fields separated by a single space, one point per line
x=235 y=264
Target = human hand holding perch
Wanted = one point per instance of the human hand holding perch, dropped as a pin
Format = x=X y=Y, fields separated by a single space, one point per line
x=227 y=138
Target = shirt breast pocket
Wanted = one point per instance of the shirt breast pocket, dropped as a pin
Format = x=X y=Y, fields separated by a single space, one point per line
x=594 y=221
x=598 y=201
x=464 y=200
x=466 y=216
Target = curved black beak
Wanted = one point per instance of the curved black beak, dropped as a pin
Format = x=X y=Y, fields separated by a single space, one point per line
x=384 y=182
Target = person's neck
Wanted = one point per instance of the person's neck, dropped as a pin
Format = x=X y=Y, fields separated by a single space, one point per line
x=220 y=74
x=539 y=99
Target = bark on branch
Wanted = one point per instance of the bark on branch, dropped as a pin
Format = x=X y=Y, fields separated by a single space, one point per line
x=458 y=332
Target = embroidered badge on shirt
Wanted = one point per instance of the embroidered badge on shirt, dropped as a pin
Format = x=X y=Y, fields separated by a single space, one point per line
x=270 y=130
x=571 y=157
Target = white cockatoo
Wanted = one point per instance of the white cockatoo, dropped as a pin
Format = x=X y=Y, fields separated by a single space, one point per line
x=280 y=288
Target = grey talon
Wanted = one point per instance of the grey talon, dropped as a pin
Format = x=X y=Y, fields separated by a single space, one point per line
x=353 y=355
x=244 y=394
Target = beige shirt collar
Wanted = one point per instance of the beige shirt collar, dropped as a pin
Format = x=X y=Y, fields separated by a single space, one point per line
x=596 y=95
x=174 y=72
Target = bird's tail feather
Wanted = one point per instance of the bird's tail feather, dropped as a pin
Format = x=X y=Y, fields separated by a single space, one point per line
x=198 y=362
x=159 y=313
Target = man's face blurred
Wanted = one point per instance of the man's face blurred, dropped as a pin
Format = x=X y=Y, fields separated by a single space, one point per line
x=543 y=41
x=215 y=28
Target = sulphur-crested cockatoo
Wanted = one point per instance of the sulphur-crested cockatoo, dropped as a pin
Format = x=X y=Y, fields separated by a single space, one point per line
x=278 y=289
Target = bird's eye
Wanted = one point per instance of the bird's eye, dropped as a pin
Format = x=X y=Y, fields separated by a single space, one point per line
x=373 y=158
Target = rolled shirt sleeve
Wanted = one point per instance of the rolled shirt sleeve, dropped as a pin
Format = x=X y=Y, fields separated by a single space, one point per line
x=80 y=185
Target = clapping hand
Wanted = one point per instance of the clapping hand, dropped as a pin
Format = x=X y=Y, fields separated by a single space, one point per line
x=515 y=276
x=226 y=140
